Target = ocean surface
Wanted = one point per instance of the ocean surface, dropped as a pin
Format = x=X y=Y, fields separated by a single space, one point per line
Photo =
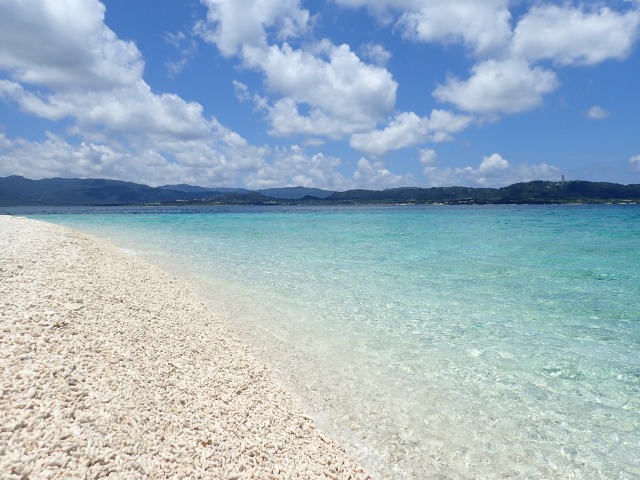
x=442 y=342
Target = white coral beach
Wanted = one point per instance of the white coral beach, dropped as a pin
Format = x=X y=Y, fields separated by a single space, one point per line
x=112 y=367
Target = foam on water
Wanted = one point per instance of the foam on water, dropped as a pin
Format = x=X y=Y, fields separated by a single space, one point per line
x=473 y=342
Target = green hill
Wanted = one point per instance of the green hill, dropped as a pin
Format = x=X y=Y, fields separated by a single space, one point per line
x=20 y=191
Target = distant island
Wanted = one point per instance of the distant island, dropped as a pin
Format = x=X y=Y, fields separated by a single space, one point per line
x=19 y=191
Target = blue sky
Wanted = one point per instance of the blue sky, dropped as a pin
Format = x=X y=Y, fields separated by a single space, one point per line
x=334 y=94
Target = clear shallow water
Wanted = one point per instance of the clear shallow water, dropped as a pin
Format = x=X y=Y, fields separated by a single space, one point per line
x=471 y=342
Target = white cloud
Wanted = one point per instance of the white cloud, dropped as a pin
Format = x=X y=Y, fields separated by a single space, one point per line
x=232 y=25
x=634 y=163
x=343 y=93
x=408 y=129
x=499 y=87
x=129 y=132
x=95 y=80
x=55 y=157
x=28 y=102
x=597 y=113
x=91 y=75
x=376 y=53
x=493 y=171
x=482 y=26
x=569 y=35
x=428 y=157
x=227 y=164
x=507 y=81
x=293 y=166
x=64 y=44
x=441 y=123
x=321 y=89
x=131 y=110
x=405 y=130
x=373 y=175
x=205 y=163
x=492 y=164
x=565 y=33
x=286 y=121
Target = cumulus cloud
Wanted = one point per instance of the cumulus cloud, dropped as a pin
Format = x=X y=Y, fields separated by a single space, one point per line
x=117 y=98
x=408 y=129
x=374 y=175
x=506 y=79
x=492 y=164
x=232 y=25
x=95 y=80
x=206 y=163
x=376 y=53
x=442 y=123
x=293 y=166
x=338 y=92
x=634 y=163
x=334 y=79
x=570 y=35
x=286 y=120
x=127 y=131
x=493 y=171
x=64 y=44
x=132 y=110
x=482 y=26
x=564 y=33
x=597 y=113
x=499 y=87
x=54 y=156
x=343 y=93
x=428 y=156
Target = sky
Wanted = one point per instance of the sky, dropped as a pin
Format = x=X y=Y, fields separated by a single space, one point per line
x=334 y=94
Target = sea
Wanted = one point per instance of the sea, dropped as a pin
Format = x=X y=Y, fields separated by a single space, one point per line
x=436 y=342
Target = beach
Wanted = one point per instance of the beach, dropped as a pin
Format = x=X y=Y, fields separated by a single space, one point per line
x=112 y=367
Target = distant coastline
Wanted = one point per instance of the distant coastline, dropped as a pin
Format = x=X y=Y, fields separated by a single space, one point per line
x=19 y=191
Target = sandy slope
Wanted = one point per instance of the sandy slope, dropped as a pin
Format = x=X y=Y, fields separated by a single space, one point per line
x=110 y=366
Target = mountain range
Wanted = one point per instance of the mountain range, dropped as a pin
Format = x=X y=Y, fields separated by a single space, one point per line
x=20 y=191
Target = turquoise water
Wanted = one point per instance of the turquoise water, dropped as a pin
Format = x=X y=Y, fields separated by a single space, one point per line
x=446 y=342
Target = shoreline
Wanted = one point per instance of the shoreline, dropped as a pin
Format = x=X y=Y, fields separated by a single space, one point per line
x=113 y=366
